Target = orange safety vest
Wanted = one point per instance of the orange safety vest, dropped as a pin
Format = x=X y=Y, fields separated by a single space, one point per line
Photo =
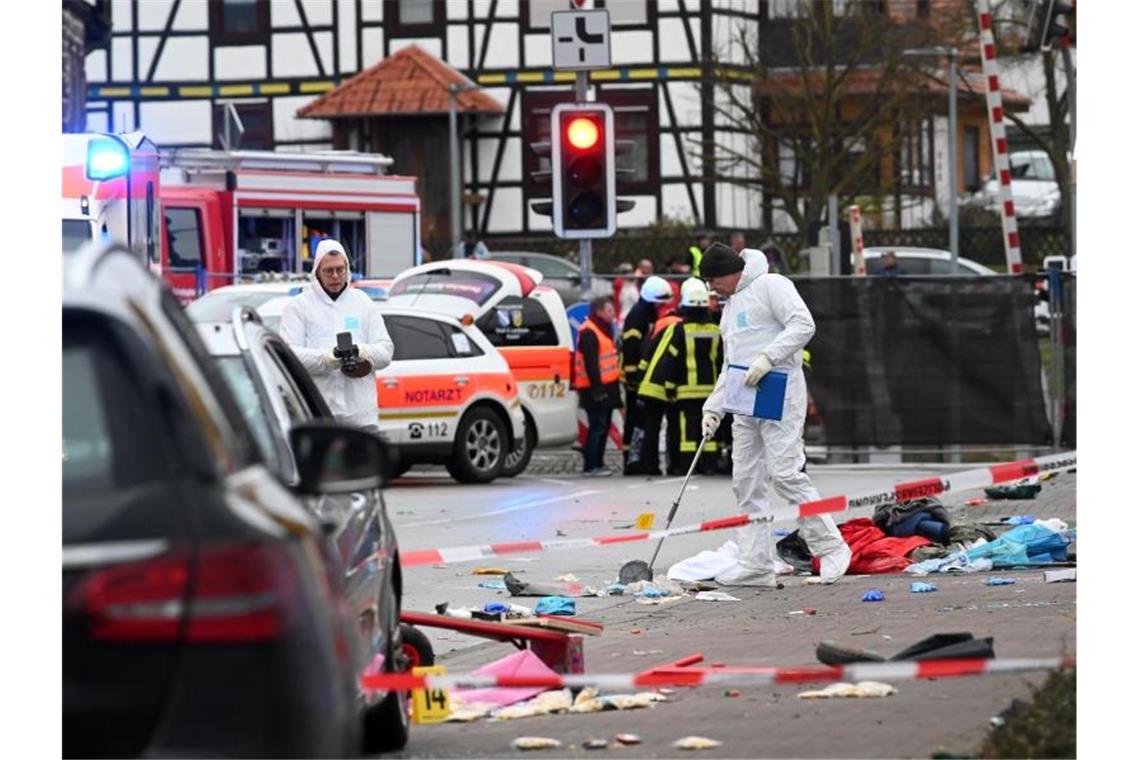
x=663 y=322
x=608 y=363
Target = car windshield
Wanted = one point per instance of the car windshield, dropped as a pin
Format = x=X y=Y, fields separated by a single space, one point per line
x=241 y=383
x=76 y=232
x=445 y=282
x=218 y=305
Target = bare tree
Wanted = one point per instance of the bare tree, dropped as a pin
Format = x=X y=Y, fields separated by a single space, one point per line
x=826 y=100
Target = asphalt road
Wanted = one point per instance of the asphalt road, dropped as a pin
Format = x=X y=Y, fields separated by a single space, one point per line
x=1027 y=619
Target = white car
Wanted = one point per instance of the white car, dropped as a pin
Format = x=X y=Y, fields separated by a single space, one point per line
x=1033 y=183
x=932 y=261
x=918 y=261
x=524 y=320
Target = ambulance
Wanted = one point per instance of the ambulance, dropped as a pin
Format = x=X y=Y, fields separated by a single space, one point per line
x=232 y=216
x=520 y=317
x=111 y=190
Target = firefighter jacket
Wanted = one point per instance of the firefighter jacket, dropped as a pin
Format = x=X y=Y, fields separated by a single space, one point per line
x=637 y=327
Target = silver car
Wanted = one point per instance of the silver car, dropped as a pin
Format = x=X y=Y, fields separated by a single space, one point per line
x=563 y=276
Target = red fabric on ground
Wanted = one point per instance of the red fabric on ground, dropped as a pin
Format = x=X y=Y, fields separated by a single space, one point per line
x=873 y=551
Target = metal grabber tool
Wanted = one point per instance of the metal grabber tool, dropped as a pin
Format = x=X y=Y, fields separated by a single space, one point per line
x=636 y=569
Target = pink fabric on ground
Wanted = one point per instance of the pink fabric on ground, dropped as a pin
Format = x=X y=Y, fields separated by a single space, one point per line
x=521 y=663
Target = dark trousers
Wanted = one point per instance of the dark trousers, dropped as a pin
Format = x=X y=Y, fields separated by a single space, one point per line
x=593 y=455
x=633 y=420
x=689 y=414
x=649 y=460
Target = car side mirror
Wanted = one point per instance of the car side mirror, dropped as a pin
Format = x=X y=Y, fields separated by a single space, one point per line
x=334 y=459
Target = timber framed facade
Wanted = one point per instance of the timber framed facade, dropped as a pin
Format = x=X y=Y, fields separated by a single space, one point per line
x=169 y=67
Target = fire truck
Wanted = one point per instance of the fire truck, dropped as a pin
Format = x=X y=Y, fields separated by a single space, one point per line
x=233 y=216
x=110 y=190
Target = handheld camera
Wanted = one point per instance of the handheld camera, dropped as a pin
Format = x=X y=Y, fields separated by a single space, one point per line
x=348 y=354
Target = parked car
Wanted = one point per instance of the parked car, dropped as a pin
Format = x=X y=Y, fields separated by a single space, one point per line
x=275 y=394
x=1033 y=184
x=932 y=261
x=565 y=277
x=917 y=261
x=525 y=321
x=268 y=298
x=203 y=614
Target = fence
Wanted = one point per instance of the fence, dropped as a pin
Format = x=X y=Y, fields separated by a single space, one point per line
x=982 y=244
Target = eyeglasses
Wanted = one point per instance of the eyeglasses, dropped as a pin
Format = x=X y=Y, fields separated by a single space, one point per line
x=334 y=271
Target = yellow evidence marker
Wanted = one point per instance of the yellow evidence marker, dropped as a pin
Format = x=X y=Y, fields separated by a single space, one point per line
x=430 y=705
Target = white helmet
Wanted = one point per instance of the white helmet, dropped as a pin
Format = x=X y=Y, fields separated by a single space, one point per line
x=694 y=292
x=656 y=290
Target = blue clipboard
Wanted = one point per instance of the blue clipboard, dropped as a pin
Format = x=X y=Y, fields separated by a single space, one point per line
x=769 y=399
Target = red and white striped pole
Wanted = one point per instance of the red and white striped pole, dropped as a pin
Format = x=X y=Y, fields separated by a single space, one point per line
x=998 y=139
x=857 y=241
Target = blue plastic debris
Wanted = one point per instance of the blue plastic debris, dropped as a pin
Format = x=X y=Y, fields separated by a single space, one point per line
x=652 y=592
x=554 y=605
x=874 y=595
x=496 y=607
x=781 y=532
x=616 y=589
x=922 y=588
x=995 y=580
x=1020 y=520
x=495 y=585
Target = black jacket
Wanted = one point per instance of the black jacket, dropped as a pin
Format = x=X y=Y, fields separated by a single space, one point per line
x=599 y=395
x=635 y=331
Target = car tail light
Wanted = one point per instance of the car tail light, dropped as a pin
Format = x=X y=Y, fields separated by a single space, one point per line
x=234 y=594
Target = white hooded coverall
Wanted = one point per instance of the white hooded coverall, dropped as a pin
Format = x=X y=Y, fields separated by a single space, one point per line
x=310 y=323
x=766 y=315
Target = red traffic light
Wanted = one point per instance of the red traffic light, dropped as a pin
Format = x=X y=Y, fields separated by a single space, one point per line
x=582 y=133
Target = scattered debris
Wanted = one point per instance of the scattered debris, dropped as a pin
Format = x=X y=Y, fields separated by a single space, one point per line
x=1019 y=520
x=595 y=744
x=521 y=663
x=1022 y=491
x=555 y=605
x=861 y=690
x=535 y=742
x=917 y=587
x=560 y=532
x=1068 y=575
x=868 y=632
x=732 y=693
x=530 y=588
x=715 y=596
x=696 y=742
x=627 y=739
x=874 y=595
x=617 y=702
x=567 y=578
x=995 y=580
x=813 y=580
x=548 y=702
x=489 y=571
x=699 y=585
x=804 y=611
x=635 y=630
x=493 y=585
x=976 y=502
x=643 y=652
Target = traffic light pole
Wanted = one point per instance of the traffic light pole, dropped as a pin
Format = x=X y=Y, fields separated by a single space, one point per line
x=585 y=246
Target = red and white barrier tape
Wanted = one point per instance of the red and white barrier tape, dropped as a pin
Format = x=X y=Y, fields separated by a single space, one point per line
x=729 y=676
x=959 y=481
x=997 y=137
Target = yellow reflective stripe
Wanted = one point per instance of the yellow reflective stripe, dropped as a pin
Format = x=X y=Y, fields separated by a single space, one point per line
x=409 y=415
x=694 y=392
x=652 y=391
x=631 y=332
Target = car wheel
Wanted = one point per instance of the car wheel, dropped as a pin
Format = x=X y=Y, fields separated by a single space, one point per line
x=386 y=724
x=418 y=650
x=519 y=457
x=480 y=449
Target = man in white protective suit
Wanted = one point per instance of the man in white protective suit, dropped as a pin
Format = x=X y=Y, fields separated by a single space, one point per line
x=310 y=323
x=765 y=325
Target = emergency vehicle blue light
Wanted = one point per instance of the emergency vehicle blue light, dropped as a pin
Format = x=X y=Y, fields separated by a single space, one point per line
x=106 y=159
x=295 y=291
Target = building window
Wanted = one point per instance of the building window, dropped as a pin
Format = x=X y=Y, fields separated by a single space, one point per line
x=415 y=18
x=922 y=8
x=257 y=120
x=971 y=174
x=239 y=22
